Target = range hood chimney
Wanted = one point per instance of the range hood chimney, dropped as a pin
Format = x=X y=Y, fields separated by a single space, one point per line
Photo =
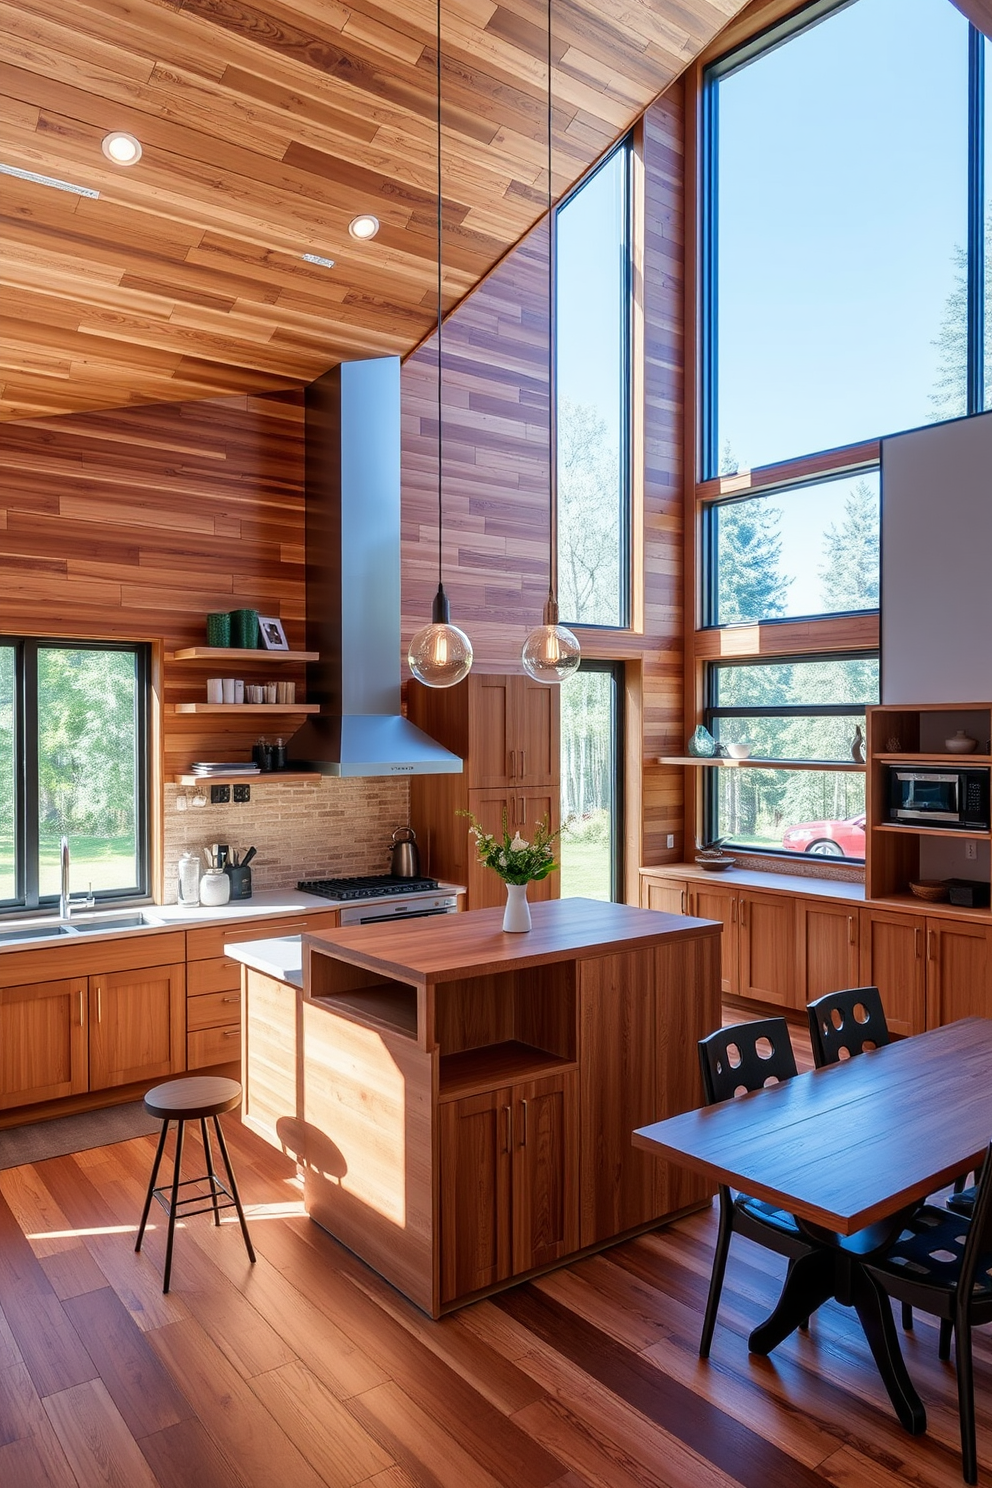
x=353 y=581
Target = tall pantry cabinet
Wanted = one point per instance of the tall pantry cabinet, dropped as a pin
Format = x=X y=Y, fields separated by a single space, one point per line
x=506 y=730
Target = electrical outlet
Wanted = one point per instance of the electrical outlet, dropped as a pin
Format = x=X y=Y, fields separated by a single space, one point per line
x=242 y=792
x=181 y=802
x=671 y=839
x=220 y=795
x=971 y=850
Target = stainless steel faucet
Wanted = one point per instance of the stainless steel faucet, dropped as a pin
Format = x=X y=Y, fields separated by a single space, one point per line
x=65 y=898
x=65 y=905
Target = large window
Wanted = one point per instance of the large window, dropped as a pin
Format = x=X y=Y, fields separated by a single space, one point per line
x=73 y=744
x=592 y=375
x=844 y=231
x=591 y=775
x=807 y=712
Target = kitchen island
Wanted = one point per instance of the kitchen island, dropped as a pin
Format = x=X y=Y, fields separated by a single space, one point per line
x=461 y=1100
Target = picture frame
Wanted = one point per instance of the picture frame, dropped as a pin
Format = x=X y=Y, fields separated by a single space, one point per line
x=272 y=633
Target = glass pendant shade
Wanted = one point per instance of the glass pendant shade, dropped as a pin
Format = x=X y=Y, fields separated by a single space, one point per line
x=440 y=654
x=551 y=652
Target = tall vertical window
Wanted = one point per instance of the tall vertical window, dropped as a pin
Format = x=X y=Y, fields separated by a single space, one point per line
x=591 y=775
x=73 y=746
x=592 y=373
x=843 y=231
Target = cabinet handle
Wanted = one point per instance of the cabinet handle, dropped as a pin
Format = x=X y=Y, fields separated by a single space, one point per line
x=523 y=763
x=743 y=914
x=931 y=944
x=683 y=901
x=513 y=764
x=523 y=811
x=850 y=930
x=99 y=1003
x=82 y=1013
x=232 y=1033
x=916 y=942
x=235 y=998
x=506 y=1138
x=733 y=911
x=523 y=1139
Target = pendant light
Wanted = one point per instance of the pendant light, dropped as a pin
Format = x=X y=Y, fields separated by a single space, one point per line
x=551 y=652
x=440 y=654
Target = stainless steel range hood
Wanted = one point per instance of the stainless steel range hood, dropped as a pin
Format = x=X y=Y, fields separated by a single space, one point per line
x=353 y=581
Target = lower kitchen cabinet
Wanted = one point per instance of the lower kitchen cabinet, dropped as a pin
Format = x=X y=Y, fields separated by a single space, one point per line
x=509 y=1171
x=767 y=949
x=137 y=1025
x=892 y=960
x=959 y=971
x=829 y=942
x=43 y=1041
x=712 y=903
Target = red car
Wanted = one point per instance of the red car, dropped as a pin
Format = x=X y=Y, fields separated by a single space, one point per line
x=828 y=839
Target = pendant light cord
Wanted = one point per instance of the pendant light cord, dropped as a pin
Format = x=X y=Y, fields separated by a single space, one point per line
x=552 y=380
x=440 y=422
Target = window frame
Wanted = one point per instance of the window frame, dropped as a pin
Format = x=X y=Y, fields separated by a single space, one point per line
x=714 y=710
x=616 y=670
x=769 y=39
x=27 y=835
x=624 y=147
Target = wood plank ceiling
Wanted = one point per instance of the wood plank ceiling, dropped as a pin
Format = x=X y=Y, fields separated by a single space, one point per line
x=266 y=128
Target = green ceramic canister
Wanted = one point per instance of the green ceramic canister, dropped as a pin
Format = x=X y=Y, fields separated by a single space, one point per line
x=244 y=630
x=219 y=629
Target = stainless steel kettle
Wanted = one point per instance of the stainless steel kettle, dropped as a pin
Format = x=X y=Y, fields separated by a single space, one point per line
x=404 y=855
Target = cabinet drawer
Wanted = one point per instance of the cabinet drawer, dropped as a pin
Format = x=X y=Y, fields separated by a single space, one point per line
x=216 y=974
x=213 y=1046
x=210 y=941
x=213 y=1010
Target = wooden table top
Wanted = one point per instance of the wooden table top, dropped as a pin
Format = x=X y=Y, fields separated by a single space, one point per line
x=848 y=1145
x=473 y=944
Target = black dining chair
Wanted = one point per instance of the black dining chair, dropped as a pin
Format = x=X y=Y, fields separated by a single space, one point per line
x=735 y=1060
x=941 y=1263
x=843 y=1024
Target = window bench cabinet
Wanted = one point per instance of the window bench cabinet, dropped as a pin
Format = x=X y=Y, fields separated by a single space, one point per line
x=932 y=963
x=462 y=1100
x=82 y=1017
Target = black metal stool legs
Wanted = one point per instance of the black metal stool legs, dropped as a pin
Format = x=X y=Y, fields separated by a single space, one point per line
x=151 y=1185
x=210 y=1169
x=181 y=1127
x=234 y=1191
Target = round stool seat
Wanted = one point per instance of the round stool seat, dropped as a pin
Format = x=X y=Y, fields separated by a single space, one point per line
x=195 y=1097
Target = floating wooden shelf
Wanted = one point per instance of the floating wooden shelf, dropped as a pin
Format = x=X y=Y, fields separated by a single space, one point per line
x=910 y=829
x=264 y=777
x=226 y=653
x=928 y=758
x=269 y=708
x=764 y=764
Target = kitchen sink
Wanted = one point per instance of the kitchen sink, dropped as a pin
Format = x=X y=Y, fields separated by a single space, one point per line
x=115 y=922
x=34 y=932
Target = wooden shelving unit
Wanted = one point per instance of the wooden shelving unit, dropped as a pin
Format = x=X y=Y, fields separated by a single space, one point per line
x=225 y=653
x=763 y=764
x=264 y=777
x=241 y=709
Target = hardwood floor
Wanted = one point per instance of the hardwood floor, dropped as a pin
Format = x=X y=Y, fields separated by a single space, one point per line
x=308 y=1370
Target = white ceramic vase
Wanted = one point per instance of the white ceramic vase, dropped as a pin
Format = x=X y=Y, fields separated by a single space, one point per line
x=516 y=915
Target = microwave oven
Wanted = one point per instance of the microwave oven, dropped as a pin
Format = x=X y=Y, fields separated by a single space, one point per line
x=938 y=796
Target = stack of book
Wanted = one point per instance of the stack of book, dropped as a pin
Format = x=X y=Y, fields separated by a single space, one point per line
x=224 y=767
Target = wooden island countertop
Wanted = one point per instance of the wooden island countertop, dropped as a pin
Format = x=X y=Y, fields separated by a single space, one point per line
x=462 y=1099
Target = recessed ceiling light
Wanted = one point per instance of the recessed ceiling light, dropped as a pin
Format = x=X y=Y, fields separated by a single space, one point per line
x=363 y=227
x=121 y=148
x=315 y=258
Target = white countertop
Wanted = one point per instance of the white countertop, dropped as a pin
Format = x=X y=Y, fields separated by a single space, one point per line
x=280 y=958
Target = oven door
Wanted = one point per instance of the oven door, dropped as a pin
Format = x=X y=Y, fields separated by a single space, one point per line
x=925 y=796
x=378 y=912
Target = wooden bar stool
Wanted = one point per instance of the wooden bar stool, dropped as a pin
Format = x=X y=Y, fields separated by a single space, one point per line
x=197 y=1098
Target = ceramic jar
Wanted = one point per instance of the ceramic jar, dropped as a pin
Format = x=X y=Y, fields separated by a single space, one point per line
x=215 y=887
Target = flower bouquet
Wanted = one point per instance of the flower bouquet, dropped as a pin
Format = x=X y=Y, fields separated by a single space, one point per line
x=517 y=862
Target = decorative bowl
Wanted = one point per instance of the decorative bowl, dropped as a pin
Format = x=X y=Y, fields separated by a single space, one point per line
x=739 y=751
x=932 y=889
x=715 y=862
x=962 y=743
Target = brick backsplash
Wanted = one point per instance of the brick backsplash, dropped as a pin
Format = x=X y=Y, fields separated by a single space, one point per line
x=327 y=828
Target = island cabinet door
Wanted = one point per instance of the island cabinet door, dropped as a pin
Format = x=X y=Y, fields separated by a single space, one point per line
x=545 y=1170
x=769 y=969
x=42 y=1041
x=892 y=959
x=959 y=971
x=476 y=1138
x=137 y=1025
x=618 y=1092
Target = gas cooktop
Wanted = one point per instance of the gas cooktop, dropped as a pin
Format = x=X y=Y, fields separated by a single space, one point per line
x=375 y=886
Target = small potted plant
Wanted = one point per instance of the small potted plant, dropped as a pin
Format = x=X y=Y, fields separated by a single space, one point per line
x=517 y=862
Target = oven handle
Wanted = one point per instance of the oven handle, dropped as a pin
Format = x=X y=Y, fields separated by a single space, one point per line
x=403 y=914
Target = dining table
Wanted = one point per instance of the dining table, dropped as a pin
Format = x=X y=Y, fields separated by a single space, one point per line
x=850 y=1150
